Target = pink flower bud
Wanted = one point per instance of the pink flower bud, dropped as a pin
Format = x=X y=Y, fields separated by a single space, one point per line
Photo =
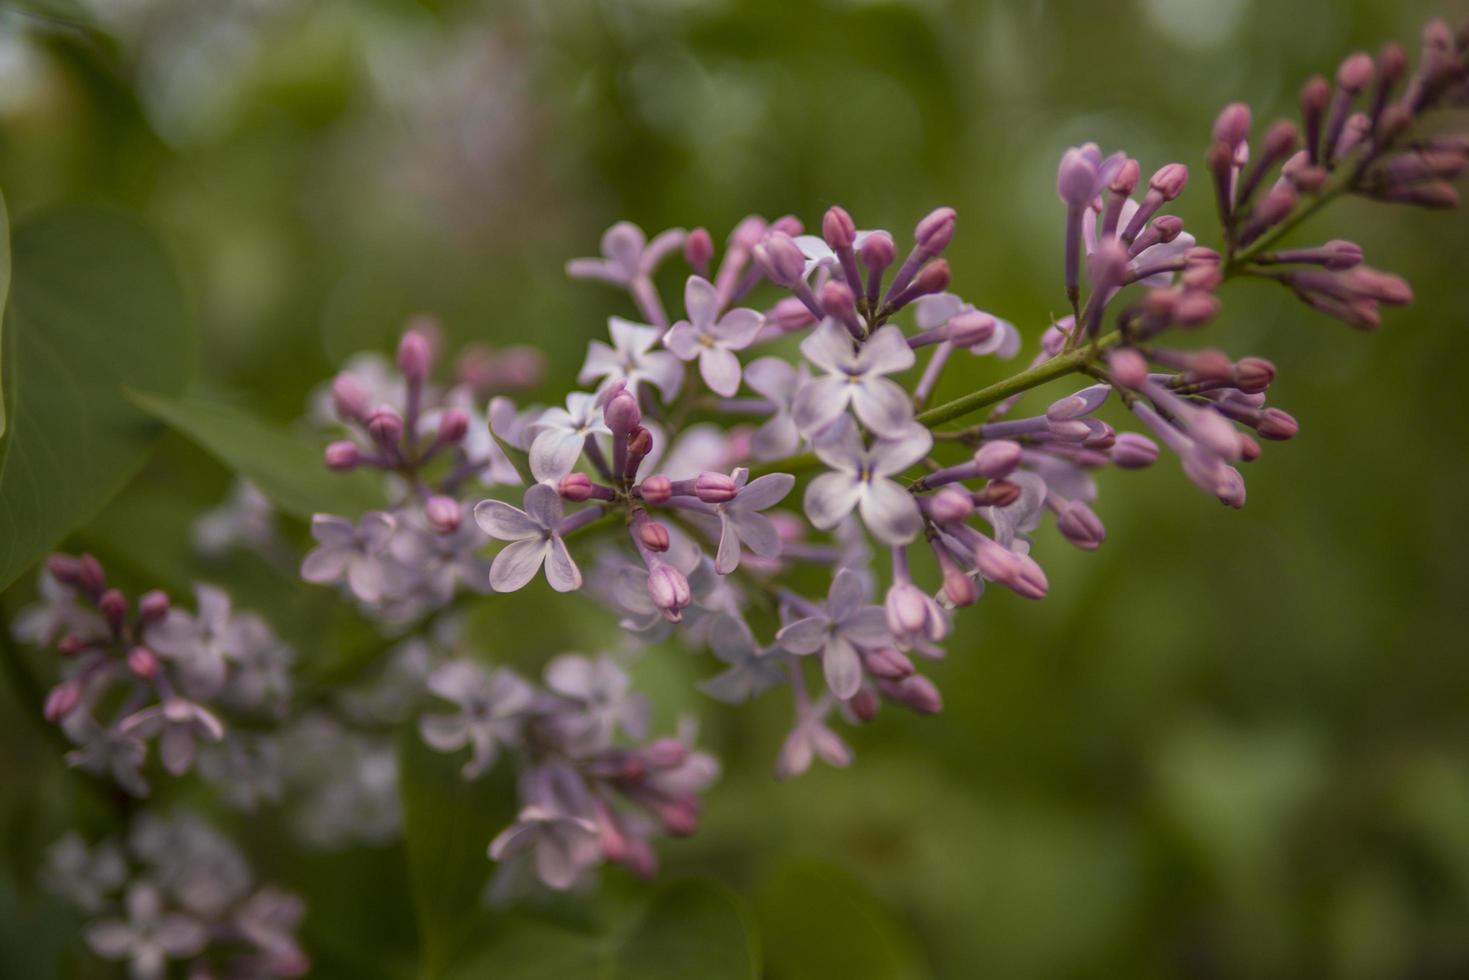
x=1168 y=227
x=1280 y=139
x=656 y=490
x=1076 y=178
x=714 y=488
x=1109 y=264
x=1124 y=182
x=787 y=224
x=1232 y=126
x=342 y=456
x=789 y=314
x=998 y=458
x=887 y=663
x=349 y=398
x=997 y=493
x=653 y=535
x=1355 y=72
x=385 y=426
x=837 y=300
x=1249 y=449
x=838 y=228
x=698 y=249
x=970 y=328
x=622 y=414
x=669 y=591
x=62 y=700
x=415 y=353
x=932 y=278
x=443 y=513
x=1128 y=367
x=153 y=606
x=864 y=704
x=935 y=230
x=748 y=232
x=453 y=426
x=949 y=506
x=665 y=753
x=1169 y=181
x=919 y=694
x=1081 y=526
x=1253 y=375
x=959 y=588
x=639 y=444
x=780 y=258
x=877 y=251
x=71 y=645
x=576 y=487
x=143 y=663
x=906 y=607
x=1277 y=425
x=114 y=608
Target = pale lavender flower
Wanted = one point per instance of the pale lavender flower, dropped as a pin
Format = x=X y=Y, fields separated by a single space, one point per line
x=535 y=539
x=627 y=255
x=58 y=614
x=847 y=624
x=431 y=567
x=246 y=770
x=712 y=338
x=778 y=381
x=354 y=554
x=84 y=876
x=563 y=845
x=633 y=357
x=191 y=862
x=176 y=723
x=855 y=377
x=491 y=709
x=200 y=643
x=149 y=937
x=740 y=520
x=605 y=701
x=750 y=669
x=809 y=740
x=562 y=433
x=106 y=753
x=245 y=519
x=269 y=920
x=860 y=478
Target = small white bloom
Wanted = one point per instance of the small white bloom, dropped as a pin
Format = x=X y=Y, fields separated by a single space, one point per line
x=855 y=376
x=562 y=433
x=712 y=338
x=535 y=540
x=632 y=358
x=860 y=478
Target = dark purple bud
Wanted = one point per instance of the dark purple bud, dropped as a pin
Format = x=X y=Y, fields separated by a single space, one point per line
x=1133 y=451
x=1393 y=122
x=997 y=493
x=1392 y=63
x=864 y=704
x=415 y=354
x=780 y=258
x=932 y=278
x=143 y=663
x=62 y=700
x=113 y=606
x=1280 y=139
x=639 y=445
x=656 y=490
x=698 y=250
x=442 y=513
x=71 y=645
x=342 y=456
x=65 y=569
x=934 y=232
x=385 y=426
x=1170 y=180
x=1314 y=97
x=838 y=228
x=622 y=414
x=90 y=578
x=997 y=459
x=1434 y=194
x=837 y=300
x=1128 y=367
x=877 y=251
x=714 y=488
x=1277 y=425
x=1232 y=126
x=453 y=426
x=349 y=398
x=153 y=606
x=1253 y=375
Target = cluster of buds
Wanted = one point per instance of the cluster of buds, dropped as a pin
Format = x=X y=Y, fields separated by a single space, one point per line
x=147 y=672
x=585 y=798
x=176 y=891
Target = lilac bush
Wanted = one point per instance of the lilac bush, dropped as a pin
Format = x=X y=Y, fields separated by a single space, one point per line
x=791 y=502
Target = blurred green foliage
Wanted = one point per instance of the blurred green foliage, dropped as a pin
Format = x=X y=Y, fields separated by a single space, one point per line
x=1227 y=745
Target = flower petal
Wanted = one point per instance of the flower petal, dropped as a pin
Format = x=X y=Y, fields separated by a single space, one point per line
x=829 y=347
x=804 y=635
x=543 y=505
x=882 y=405
x=738 y=328
x=842 y=666
x=502 y=521
x=892 y=456
x=830 y=497
x=890 y=512
x=772 y=377
x=555 y=452
x=517 y=564
x=885 y=352
x=727 y=559
x=819 y=401
x=701 y=302
x=561 y=571
x=683 y=339
x=720 y=370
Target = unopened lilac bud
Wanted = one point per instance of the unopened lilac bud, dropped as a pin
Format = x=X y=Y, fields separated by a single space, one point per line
x=1249 y=449
x=1133 y=451
x=1304 y=176
x=114 y=608
x=622 y=414
x=698 y=249
x=349 y=398
x=932 y=278
x=62 y=700
x=864 y=704
x=442 y=513
x=1355 y=72
x=838 y=228
x=1081 y=526
x=153 y=606
x=665 y=753
x=656 y=490
x=998 y=458
x=877 y=251
x=575 y=487
x=789 y=314
x=1169 y=181
x=1128 y=367
x=1376 y=284
x=837 y=300
x=997 y=493
x=653 y=535
x=453 y=426
x=1195 y=309
x=342 y=456
x=780 y=258
x=143 y=663
x=887 y=663
x=1232 y=126
x=639 y=444
x=71 y=645
x=959 y=588
x=949 y=506
x=64 y=569
x=669 y=591
x=1391 y=63
x=92 y=579
x=935 y=230
x=1253 y=375
x=919 y=694
x=385 y=426
x=1280 y=139
x=1436 y=194
x=1315 y=95
x=970 y=328
x=414 y=355
x=1277 y=425
x=748 y=232
x=714 y=488
x=788 y=224
x=1124 y=182
x=1076 y=178
x=1109 y=264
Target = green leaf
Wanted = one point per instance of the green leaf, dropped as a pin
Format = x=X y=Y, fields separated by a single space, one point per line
x=95 y=306
x=695 y=927
x=287 y=469
x=4 y=294
x=818 y=921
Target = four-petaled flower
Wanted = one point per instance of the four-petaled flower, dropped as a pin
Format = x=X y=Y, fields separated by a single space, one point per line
x=491 y=704
x=355 y=553
x=632 y=358
x=778 y=381
x=535 y=539
x=563 y=844
x=751 y=670
x=740 y=520
x=561 y=434
x=848 y=623
x=855 y=376
x=712 y=338
x=177 y=722
x=604 y=695
x=626 y=254
x=149 y=937
x=860 y=478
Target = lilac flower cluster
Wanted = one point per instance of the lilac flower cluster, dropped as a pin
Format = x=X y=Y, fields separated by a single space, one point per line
x=176 y=890
x=149 y=673
x=584 y=797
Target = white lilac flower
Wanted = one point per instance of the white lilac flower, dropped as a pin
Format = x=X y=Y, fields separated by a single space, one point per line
x=820 y=255
x=200 y=643
x=561 y=434
x=176 y=723
x=750 y=669
x=855 y=376
x=604 y=700
x=847 y=624
x=778 y=381
x=58 y=614
x=740 y=520
x=491 y=708
x=938 y=309
x=535 y=539
x=632 y=357
x=245 y=519
x=712 y=338
x=106 y=753
x=84 y=876
x=860 y=478
x=353 y=554
x=191 y=862
x=149 y=937
x=563 y=845
x=261 y=664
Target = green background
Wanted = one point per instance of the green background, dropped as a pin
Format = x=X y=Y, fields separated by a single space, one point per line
x=1228 y=744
